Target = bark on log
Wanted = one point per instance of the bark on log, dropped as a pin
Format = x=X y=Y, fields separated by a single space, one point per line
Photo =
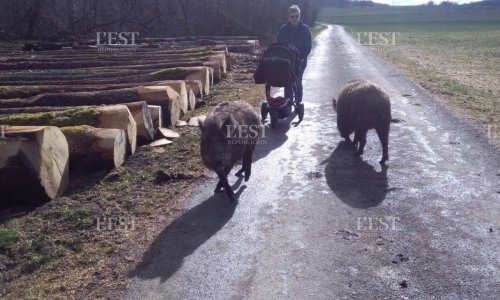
x=194 y=38
x=35 y=109
x=156 y=116
x=142 y=117
x=96 y=148
x=196 y=87
x=89 y=56
x=81 y=98
x=33 y=164
x=7 y=92
x=195 y=73
x=113 y=116
x=180 y=87
x=28 y=70
x=164 y=48
x=185 y=73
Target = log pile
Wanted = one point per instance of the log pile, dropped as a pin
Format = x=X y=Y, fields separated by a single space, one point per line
x=34 y=164
x=68 y=105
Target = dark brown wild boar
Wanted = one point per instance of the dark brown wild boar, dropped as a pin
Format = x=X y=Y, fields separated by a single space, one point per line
x=361 y=106
x=228 y=134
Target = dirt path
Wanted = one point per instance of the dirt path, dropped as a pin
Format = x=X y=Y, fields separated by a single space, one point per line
x=301 y=228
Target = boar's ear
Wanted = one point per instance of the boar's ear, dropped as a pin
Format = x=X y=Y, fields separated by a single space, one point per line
x=334 y=104
x=229 y=120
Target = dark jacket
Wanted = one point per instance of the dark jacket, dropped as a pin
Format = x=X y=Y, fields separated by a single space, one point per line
x=299 y=36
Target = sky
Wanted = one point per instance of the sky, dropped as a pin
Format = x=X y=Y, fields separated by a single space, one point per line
x=418 y=2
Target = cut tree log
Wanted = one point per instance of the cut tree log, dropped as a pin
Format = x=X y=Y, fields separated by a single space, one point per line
x=35 y=109
x=183 y=88
x=101 y=69
x=180 y=87
x=112 y=116
x=191 y=99
x=184 y=73
x=156 y=116
x=7 y=92
x=33 y=164
x=96 y=147
x=196 y=87
x=68 y=56
x=163 y=94
x=203 y=74
x=142 y=116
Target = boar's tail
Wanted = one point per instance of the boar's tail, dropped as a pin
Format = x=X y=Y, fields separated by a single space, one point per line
x=396 y=120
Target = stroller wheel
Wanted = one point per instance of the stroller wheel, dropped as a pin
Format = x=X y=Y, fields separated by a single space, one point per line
x=264 y=111
x=274 y=119
x=300 y=111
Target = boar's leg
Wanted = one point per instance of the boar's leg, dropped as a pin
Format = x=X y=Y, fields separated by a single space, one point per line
x=223 y=183
x=247 y=164
x=356 y=140
x=383 y=135
x=220 y=184
x=240 y=172
x=360 y=136
x=218 y=188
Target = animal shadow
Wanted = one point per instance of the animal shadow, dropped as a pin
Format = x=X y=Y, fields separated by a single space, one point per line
x=274 y=137
x=183 y=236
x=354 y=181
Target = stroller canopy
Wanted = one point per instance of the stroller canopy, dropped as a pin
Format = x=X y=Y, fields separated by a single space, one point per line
x=277 y=66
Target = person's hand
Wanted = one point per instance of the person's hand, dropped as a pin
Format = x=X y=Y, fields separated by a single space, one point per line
x=294 y=49
x=301 y=62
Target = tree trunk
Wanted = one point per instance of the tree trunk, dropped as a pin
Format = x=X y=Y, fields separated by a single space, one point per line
x=11 y=91
x=191 y=99
x=96 y=148
x=197 y=88
x=29 y=68
x=184 y=73
x=164 y=94
x=33 y=164
x=142 y=117
x=156 y=116
x=112 y=116
x=180 y=87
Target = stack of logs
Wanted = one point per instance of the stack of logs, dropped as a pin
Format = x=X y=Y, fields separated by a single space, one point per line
x=81 y=106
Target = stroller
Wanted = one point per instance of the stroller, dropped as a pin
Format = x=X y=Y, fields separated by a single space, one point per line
x=278 y=67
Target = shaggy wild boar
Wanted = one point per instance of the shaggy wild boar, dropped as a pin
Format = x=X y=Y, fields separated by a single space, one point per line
x=361 y=106
x=228 y=134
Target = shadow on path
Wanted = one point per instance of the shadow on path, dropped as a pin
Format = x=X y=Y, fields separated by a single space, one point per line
x=183 y=236
x=354 y=181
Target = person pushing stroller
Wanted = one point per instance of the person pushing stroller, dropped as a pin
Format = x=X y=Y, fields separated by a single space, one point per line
x=296 y=34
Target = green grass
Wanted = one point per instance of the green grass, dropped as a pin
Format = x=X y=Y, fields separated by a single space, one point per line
x=8 y=237
x=422 y=16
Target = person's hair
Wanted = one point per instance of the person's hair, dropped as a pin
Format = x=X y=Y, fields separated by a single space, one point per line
x=294 y=9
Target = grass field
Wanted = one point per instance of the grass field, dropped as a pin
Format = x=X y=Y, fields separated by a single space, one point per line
x=453 y=52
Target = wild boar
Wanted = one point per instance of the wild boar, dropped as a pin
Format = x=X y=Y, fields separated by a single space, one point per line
x=228 y=134
x=362 y=105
